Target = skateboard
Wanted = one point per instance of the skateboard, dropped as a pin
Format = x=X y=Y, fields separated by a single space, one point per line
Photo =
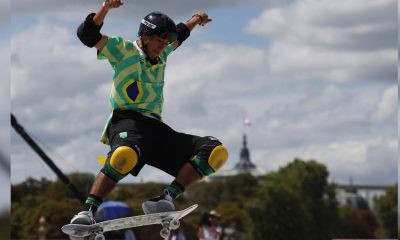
x=168 y=220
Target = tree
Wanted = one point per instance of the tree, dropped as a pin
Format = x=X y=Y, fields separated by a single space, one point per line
x=295 y=203
x=239 y=189
x=279 y=214
x=232 y=215
x=387 y=213
x=206 y=194
x=30 y=186
x=363 y=223
x=82 y=182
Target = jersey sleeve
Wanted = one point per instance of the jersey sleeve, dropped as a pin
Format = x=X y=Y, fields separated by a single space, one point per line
x=114 y=50
x=166 y=52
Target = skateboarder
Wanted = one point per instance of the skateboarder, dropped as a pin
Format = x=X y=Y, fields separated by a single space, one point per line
x=135 y=130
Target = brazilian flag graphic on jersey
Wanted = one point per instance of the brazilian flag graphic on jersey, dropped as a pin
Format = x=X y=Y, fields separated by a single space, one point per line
x=133 y=91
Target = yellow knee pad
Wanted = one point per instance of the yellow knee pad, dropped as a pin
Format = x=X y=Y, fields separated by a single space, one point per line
x=218 y=158
x=121 y=162
x=215 y=161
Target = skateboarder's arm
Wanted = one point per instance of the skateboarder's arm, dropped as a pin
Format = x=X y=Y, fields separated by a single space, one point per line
x=89 y=31
x=184 y=29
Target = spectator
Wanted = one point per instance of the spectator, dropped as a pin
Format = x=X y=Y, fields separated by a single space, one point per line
x=209 y=229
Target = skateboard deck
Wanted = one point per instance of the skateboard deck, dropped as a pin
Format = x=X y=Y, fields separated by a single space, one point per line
x=168 y=220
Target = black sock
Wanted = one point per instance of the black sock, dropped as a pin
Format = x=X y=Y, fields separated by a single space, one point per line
x=175 y=189
x=92 y=203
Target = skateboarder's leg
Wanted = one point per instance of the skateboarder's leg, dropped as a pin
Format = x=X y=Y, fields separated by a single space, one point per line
x=210 y=156
x=121 y=160
x=101 y=187
x=187 y=175
x=207 y=156
x=164 y=203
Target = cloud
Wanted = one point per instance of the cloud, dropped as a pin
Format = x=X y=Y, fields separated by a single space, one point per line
x=59 y=94
x=387 y=107
x=351 y=25
x=366 y=162
x=305 y=91
x=305 y=119
x=63 y=79
x=4 y=124
x=331 y=40
x=4 y=14
x=4 y=107
x=75 y=9
x=5 y=95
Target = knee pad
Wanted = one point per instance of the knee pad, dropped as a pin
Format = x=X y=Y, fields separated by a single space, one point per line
x=210 y=160
x=218 y=158
x=121 y=162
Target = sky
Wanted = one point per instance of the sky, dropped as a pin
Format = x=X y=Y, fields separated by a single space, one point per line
x=317 y=79
x=4 y=108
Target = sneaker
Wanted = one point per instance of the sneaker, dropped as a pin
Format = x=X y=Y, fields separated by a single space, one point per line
x=158 y=204
x=84 y=217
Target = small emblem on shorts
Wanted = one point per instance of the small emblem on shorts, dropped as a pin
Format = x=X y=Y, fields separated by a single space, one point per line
x=123 y=134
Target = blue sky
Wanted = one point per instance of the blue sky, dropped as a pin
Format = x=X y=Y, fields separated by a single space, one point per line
x=318 y=80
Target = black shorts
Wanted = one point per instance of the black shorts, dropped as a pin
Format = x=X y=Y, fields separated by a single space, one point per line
x=156 y=143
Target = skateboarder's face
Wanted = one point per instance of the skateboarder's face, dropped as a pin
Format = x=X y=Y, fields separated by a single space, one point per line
x=155 y=45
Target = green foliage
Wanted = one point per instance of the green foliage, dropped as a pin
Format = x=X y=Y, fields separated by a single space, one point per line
x=296 y=202
x=279 y=214
x=387 y=213
x=33 y=199
x=344 y=224
x=206 y=194
x=5 y=225
x=233 y=215
x=30 y=187
x=239 y=189
x=82 y=181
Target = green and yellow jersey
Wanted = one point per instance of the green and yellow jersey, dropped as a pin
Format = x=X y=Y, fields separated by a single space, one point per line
x=137 y=84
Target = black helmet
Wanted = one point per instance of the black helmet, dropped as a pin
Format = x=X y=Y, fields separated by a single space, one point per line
x=159 y=24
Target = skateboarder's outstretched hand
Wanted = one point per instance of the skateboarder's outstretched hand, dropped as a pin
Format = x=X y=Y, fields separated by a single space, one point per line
x=109 y=4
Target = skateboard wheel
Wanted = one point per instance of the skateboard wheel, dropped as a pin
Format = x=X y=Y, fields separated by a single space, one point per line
x=99 y=237
x=164 y=233
x=165 y=223
x=174 y=224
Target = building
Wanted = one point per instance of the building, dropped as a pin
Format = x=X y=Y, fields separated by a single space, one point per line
x=359 y=196
x=243 y=166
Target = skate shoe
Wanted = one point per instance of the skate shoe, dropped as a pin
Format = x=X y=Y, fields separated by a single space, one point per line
x=158 y=204
x=84 y=217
